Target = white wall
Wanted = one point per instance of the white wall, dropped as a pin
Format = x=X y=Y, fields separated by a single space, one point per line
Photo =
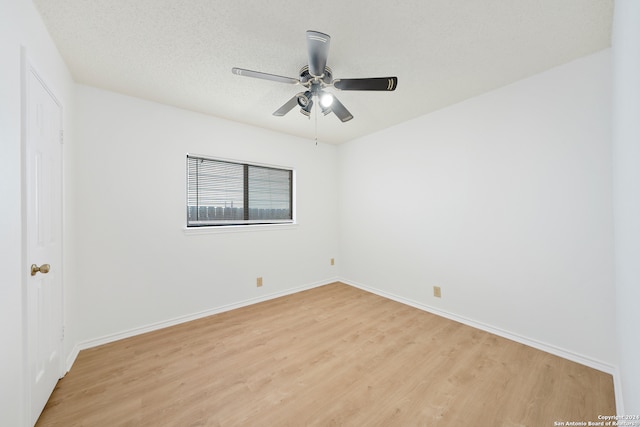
x=20 y=27
x=626 y=163
x=136 y=265
x=504 y=201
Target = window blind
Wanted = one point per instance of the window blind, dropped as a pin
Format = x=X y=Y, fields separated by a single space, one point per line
x=227 y=193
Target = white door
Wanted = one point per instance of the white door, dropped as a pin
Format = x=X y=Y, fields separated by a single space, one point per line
x=43 y=188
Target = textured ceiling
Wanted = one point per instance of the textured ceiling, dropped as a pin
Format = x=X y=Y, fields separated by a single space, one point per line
x=180 y=52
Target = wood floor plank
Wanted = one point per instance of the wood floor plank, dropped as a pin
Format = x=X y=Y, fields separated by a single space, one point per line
x=334 y=355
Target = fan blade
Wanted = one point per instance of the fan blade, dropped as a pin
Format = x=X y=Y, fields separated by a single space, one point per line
x=265 y=76
x=318 y=48
x=287 y=107
x=340 y=110
x=374 y=83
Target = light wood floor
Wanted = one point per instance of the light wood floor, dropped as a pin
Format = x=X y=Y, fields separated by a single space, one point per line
x=333 y=355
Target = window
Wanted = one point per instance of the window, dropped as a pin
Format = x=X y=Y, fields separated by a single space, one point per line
x=221 y=192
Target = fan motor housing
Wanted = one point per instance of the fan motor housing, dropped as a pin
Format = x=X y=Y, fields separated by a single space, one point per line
x=305 y=76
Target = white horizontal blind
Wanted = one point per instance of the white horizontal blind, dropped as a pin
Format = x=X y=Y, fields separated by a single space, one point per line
x=227 y=193
x=269 y=193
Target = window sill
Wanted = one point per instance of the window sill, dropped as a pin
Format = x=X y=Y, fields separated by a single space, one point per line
x=238 y=228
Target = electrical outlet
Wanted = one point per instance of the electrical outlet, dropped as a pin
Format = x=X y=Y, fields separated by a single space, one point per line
x=259 y=281
x=437 y=292
x=333 y=261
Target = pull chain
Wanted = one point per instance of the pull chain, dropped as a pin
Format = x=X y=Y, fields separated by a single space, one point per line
x=316 y=115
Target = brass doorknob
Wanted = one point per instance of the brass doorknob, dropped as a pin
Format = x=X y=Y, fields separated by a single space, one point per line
x=44 y=269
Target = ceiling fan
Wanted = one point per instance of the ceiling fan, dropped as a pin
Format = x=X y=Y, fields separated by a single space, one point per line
x=316 y=77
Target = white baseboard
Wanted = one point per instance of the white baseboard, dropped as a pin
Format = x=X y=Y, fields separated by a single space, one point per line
x=71 y=358
x=186 y=318
x=548 y=348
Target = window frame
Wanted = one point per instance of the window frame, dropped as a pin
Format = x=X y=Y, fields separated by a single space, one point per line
x=229 y=225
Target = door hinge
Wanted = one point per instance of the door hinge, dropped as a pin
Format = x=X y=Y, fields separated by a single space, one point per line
x=62 y=334
x=61 y=136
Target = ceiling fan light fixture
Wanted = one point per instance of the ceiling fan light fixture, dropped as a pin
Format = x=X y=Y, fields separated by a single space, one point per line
x=326 y=99
x=304 y=99
x=306 y=110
